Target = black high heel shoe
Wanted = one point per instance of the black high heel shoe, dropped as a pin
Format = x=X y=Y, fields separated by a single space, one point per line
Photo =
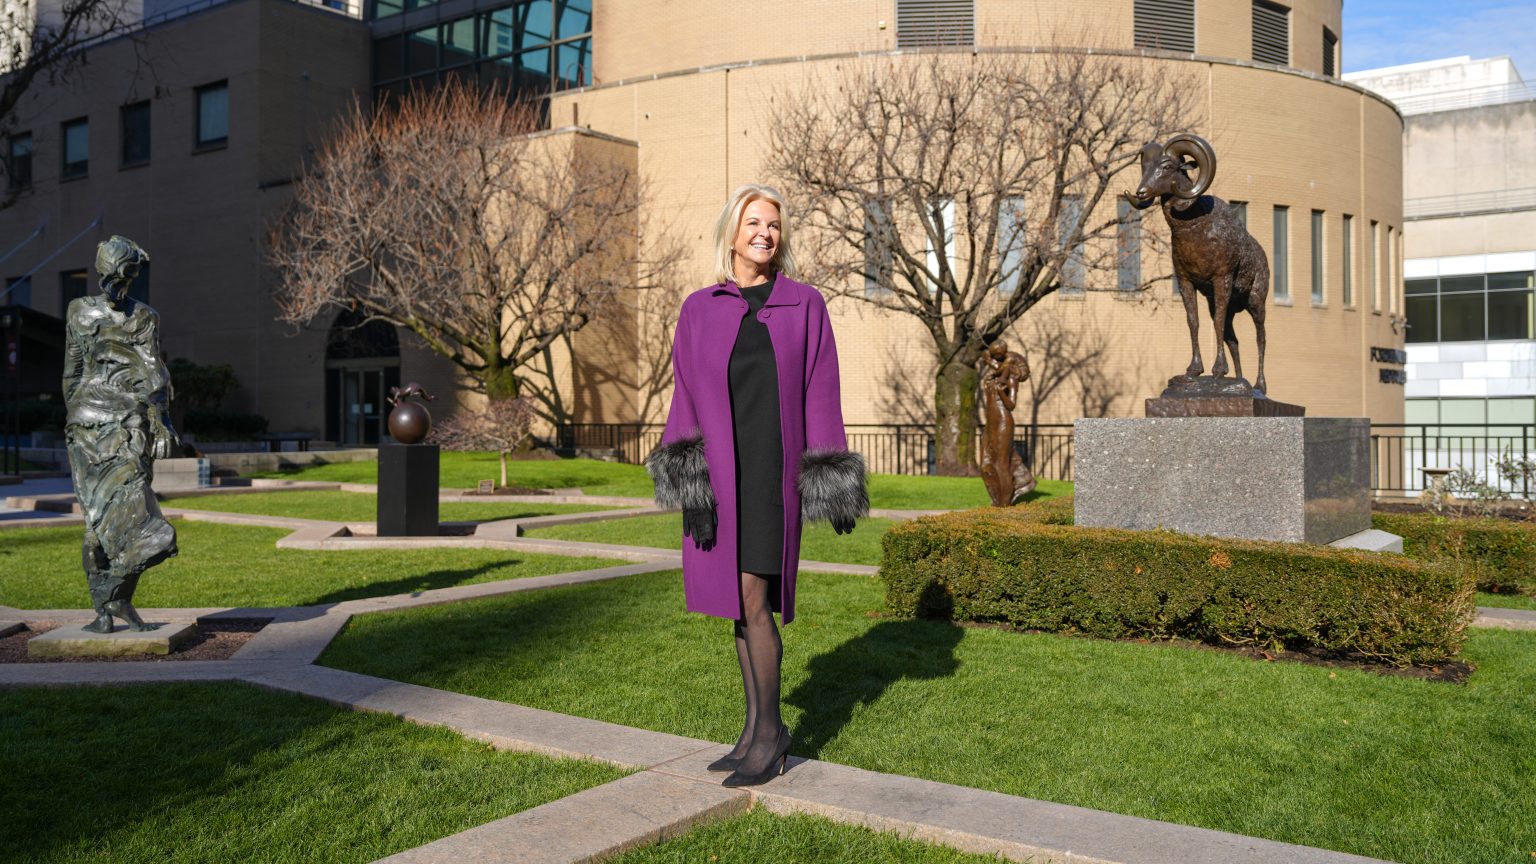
x=776 y=765
x=724 y=763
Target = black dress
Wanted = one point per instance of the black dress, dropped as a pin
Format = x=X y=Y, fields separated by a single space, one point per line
x=754 y=380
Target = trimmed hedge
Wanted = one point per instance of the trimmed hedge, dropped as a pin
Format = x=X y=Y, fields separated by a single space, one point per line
x=1026 y=567
x=1501 y=553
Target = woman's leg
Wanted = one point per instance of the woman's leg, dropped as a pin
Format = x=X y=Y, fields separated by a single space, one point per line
x=749 y=687
x=765 y=654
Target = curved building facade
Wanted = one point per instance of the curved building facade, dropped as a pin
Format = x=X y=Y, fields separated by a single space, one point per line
x=1316 y=162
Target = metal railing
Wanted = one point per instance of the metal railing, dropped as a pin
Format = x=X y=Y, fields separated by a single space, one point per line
x=1399 y=451
x=1468 y=97
x=1466 y=203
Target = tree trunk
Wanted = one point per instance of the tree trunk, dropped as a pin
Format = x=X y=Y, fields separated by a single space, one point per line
x=499 y=378
x=954 y=402
x=503 y=469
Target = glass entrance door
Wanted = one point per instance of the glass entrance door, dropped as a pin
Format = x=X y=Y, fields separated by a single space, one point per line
x=362 y=405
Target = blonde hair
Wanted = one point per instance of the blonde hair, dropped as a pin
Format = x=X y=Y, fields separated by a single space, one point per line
x=730 y=221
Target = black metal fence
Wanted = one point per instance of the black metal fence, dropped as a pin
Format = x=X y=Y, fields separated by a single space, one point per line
x=1400 y=452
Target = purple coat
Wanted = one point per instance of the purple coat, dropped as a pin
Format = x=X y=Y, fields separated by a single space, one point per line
x=695 y=466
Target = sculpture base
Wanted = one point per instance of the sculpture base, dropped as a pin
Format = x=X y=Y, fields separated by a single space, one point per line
x=1208 y=396
x=73 y=640
x=408 y=475
x=1295 y=479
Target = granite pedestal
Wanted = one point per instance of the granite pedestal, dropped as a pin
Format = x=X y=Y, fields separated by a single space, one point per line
x=408 y=476
x=1294 y=479
x=72 y=640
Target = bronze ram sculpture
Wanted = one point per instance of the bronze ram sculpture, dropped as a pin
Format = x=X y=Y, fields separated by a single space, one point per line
x=1213 y=253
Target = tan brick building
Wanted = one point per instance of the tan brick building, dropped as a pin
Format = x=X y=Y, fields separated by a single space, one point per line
x=682 y=80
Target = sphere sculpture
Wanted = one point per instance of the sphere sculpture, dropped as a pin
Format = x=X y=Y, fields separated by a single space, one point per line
x=409 y=421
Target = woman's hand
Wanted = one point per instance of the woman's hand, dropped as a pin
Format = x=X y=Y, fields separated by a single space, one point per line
x=699 y=523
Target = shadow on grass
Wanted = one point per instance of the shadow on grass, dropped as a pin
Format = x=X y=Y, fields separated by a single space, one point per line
x=861 y=669
x=416 y=583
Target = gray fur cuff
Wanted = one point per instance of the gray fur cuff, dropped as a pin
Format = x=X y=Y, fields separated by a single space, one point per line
x=832 y=485
x=681 y=475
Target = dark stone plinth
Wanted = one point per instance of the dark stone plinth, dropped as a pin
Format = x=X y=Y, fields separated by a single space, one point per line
x=1297 y=479
x=1207 y=396
x=408 y=475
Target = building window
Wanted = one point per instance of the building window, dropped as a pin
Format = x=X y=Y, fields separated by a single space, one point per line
x=1240 y=208
x=1165 y=24
x=72 y=286
x=1347 y=248
x=213 y=115
x=135 y=133
x=1070 y=242
x=1282 y=254
x=1392 y=286
x=878 y=258
x=1271 y=33
x=18 y=292
x=1127 y=247
x=1495 y=306
x=1317 y=257
x=935 y=22
x=1011 y=244
x=76 y=158
x=1330 y=53
x=1372 y=260
x=527 y=48
x=18 y=162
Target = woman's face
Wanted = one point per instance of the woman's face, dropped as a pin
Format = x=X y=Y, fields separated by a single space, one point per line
x=757 y=239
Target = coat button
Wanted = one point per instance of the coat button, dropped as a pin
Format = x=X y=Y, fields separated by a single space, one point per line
x=764 y=315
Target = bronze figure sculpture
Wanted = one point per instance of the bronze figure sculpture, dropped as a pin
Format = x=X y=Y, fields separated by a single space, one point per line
x=115 y=391
x=409 y=422
x=1007 y=477
x=1213 y=253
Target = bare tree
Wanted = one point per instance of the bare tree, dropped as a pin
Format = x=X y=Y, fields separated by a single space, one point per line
x=453 y=217
x=965 y=188
x=42 y=41
x=503 y=425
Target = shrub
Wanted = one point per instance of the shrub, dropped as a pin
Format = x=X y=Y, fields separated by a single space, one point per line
x=1024 y=567
x=1501 y=553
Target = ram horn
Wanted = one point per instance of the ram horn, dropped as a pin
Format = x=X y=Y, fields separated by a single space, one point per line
x=1199 y=152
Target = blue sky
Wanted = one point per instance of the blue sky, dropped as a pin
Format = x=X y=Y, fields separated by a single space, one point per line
x=1389 y=32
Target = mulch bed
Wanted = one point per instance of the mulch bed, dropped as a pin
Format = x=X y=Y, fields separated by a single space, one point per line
x=1519 y=511
x=215 y=640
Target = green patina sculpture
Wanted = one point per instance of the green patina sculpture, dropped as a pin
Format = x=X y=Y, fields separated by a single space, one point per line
x=116 y=389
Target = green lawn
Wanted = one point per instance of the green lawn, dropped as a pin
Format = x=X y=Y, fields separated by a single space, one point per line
x=1381 y=766
x=360 y=507
x=759 y=836
x=464 y=470
x=1505 y=601
x=223 y=772
x=235 y=565
x=665 y=531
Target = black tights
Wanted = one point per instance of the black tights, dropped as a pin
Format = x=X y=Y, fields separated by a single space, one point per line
x=760 y=653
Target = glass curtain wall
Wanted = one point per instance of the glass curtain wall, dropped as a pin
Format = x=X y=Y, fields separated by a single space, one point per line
x=1479 y=308
x=526 y=49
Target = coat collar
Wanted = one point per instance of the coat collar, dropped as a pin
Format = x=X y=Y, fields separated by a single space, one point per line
x=784 y=292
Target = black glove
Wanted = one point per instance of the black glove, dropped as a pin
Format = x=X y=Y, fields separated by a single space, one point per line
x=699 y=523
x=842 y=524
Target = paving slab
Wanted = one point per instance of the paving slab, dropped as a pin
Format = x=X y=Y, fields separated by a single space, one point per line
x=500 y=724
x=36 y=519
x=1505 y=619
x=312 y=536
x=494 y=589
x=1371 y=540
x=600 y=550
x=601 y=822
x=74 y=641
x=98 y=674
x=295 y=639
x=991 y=823
x=251 y=519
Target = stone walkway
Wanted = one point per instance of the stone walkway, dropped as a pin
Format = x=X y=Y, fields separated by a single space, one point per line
x=670 y=791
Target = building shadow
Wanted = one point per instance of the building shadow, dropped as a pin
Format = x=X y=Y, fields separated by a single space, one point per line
x=859 y=671
x=413 y=584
